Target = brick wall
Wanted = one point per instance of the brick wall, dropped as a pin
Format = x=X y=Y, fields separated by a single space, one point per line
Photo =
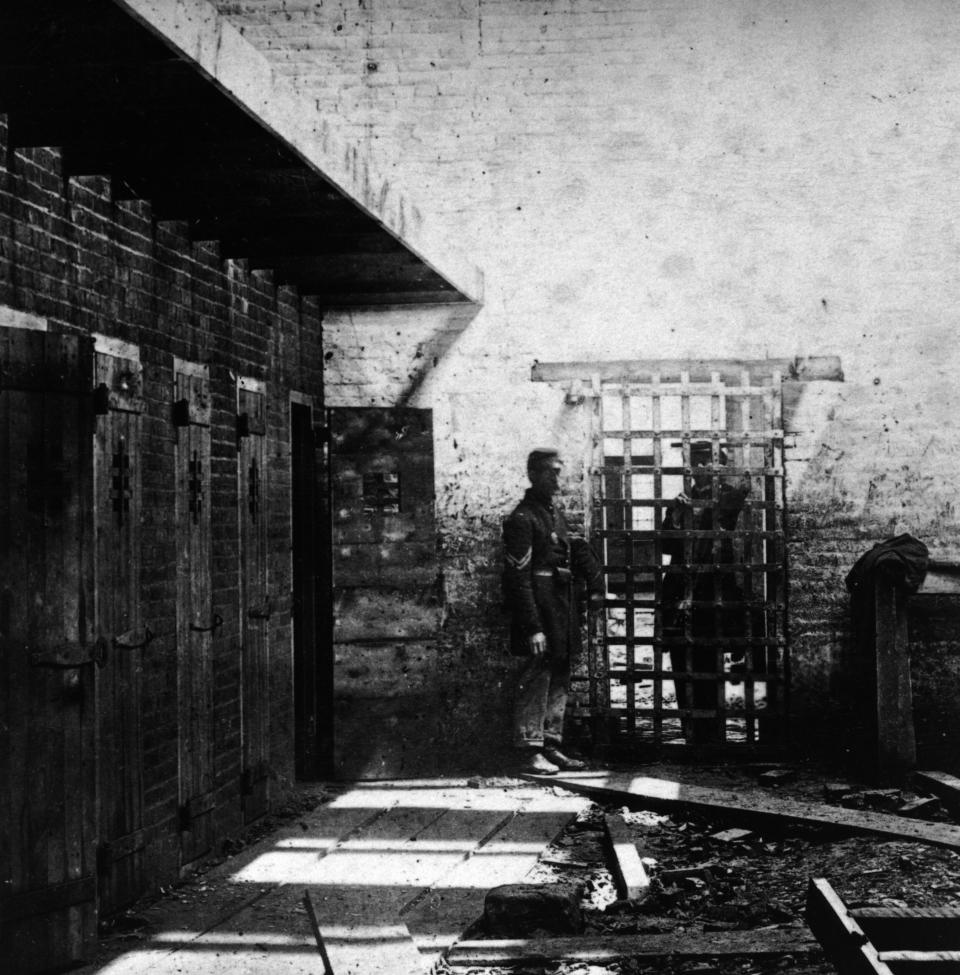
x=676 y=179
x=88 y=262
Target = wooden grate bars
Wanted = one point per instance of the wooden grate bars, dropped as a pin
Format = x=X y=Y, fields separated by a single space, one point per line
x=687 y=507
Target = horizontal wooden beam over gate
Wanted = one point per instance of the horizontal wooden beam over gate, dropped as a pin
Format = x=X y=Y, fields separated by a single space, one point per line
x=803 y=369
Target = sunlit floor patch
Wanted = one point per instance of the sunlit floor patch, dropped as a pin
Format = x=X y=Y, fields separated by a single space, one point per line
x=375 y=857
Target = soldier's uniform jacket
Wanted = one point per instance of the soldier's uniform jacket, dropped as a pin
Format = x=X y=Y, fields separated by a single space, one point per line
x=545 y=572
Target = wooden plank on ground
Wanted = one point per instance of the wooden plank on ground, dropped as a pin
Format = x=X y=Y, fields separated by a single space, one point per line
x=909 y=962
x=944 y=786
x=750 y=807
x=922 y=928
x=844 y=941
x=628 y=872
x=604 y=949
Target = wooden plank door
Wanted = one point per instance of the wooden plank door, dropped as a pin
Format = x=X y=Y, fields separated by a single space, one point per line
x=118 y=400
x=386 y=605
x=312 y=639
x=255 y=607
x=197 y=621
x=48 y=652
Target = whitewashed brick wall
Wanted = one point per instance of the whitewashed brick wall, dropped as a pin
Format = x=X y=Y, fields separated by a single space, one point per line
x=679 y=178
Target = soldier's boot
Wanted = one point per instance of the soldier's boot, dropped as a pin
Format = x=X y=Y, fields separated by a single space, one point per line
x=536 y=763
x=565 y=762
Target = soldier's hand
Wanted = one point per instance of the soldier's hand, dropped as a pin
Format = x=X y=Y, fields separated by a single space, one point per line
x=682 y=499
x=538 y=644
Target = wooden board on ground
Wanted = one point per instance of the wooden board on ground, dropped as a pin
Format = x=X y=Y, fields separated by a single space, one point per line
x=944 y=786
x=603 y=949
x=843 y=940
x=749 y=807
x=628 y=872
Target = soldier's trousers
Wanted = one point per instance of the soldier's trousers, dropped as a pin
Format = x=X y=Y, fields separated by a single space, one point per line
x=541 y=701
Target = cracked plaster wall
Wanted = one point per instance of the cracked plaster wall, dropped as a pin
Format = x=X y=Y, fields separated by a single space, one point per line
x=680 y=179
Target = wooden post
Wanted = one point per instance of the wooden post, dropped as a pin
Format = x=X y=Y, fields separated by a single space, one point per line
x=896 y=742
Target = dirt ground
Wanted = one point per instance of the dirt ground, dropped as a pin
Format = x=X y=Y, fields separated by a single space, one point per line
x=756 y=882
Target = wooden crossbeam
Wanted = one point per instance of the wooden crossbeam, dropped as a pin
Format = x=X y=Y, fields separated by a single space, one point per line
x=603 y=949
x=946 y=787
x=922 y=928
x=629 y=874
x=755 y=809
x=878 y=940
x=844 y=941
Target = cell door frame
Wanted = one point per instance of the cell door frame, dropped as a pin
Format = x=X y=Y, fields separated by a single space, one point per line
x=255 y=607
x=635 y=701
x=311 y=572
x=118 y=611
x=50 y=651
x=197 y=621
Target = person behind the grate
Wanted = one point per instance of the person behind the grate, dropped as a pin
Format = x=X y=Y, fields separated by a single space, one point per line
x=683 y=619
x=548 y=576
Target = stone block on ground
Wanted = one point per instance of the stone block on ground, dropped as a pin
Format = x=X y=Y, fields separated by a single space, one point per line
x=835 y=791
x=732 y=835
x=517 y=910
x=920 y=807
x=777 y=776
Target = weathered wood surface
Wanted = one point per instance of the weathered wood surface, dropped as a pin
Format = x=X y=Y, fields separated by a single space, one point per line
x=255 y=609
x=603 y=949
x=944 y=786
x=921 y=928
x=896 y=739
x=629 y=874
x=749 y=807
x=844 y=941
x=117 y=498
x=48 y=814
x=669 y=370
x=195 y=610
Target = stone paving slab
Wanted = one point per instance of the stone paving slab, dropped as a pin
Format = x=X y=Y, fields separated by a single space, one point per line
x=381 y=860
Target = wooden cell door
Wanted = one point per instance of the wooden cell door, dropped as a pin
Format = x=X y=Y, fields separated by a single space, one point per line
x=196 y=620
x=387 y=611
x=48 y=652
x=255 y=610
x=117 y=482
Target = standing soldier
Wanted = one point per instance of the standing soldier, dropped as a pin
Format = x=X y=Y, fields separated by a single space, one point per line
x=545 y=571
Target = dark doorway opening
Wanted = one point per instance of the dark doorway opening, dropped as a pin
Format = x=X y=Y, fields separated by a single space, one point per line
x=312 y=640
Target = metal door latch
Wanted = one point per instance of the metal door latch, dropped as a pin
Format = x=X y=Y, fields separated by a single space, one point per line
x=128 y=640
x=215 y=624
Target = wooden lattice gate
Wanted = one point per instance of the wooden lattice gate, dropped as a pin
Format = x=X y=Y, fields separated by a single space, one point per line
x=696 y=586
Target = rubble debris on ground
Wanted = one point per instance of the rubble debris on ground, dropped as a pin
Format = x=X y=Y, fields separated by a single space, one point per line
x=702 y=885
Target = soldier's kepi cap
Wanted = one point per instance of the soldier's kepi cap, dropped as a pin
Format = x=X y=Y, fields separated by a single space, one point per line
x=541 y=457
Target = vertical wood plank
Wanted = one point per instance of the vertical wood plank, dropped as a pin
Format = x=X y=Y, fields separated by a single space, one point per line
x=896 y=740
x=254 y=605
x=117 y=484
x=47 y=731
x=195 y=611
